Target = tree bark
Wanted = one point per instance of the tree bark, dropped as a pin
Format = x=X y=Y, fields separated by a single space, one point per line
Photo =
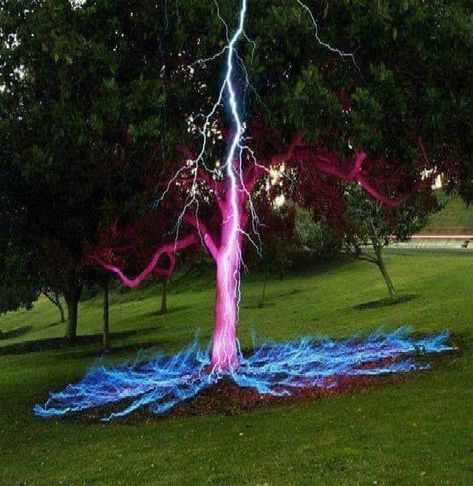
x=57 y=298
x=164 y=306
x=263 y=293
x=106 y=315
x=72 y=293
x=384 y=272
x=378 y=249
x=228 y=259
x=72 y=302
x=224 y=348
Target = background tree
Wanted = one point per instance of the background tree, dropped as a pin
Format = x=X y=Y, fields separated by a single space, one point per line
x=376 y=226
x=54 y=297
x=315 y=235
x=17 y=290
x=272 y=253
x=70 y=88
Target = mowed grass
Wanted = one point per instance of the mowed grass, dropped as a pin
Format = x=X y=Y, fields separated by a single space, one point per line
x=455 y=218
x=411 y=431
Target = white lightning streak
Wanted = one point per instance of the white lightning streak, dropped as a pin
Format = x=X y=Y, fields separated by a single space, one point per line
x=335 y=50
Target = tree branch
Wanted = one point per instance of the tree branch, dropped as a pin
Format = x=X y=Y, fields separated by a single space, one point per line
x=169 y=249
x=204 y=232
x=329 y=163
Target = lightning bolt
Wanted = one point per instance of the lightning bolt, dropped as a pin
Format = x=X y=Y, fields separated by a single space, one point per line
x=332 y=49
x=228 y=257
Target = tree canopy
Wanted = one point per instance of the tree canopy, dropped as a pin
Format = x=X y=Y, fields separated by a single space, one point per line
x=98 y=97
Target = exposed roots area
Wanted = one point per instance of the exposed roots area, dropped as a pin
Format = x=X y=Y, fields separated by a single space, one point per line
x=274 y=372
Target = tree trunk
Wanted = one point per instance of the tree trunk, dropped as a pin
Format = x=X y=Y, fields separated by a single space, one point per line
x=72 y=302
x=382 y=267
x=263 y=293
x=228 y=260
x=224 y=349
x=164 y=307
x=72 y=295
x=106 y=316
x=57 y=298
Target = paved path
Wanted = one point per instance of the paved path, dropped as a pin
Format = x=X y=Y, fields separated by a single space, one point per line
x=437 y=242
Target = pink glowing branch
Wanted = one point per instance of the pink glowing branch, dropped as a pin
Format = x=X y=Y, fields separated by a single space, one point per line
x=202 y=230
x=300 y=152
x=169 y=250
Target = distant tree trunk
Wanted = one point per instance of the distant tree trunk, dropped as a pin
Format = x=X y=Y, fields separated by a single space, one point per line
x=72 y=296
x=263 y=293
x=61 y=313
x=378 y=249
x=55 y=298
x=164 y=307
x=106 y=314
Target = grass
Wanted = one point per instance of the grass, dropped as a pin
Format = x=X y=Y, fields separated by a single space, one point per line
x=412 y=431
x=455 y=217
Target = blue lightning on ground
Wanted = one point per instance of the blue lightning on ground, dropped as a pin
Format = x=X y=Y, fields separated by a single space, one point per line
x=160 y=382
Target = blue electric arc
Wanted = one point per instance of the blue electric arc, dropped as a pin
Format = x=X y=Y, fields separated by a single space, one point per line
x=161 y=382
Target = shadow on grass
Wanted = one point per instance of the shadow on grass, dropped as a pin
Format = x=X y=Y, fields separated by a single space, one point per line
x=148 y=347
x=268 y=302
x=259 y=305
x=15 y=333
x=171 y=310
x=62 y=343
x=386 y=302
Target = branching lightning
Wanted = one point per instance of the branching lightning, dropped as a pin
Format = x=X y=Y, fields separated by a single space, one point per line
x=335 y=50
x=159 y=382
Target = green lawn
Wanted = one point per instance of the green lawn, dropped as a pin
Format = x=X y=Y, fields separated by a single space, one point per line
x=414 y=431
x=455 y=217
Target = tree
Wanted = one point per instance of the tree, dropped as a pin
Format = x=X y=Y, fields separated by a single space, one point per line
x=223 y=221
x=105 y=284
x=19 y=281
x=375 y=226
x=316 y=235
x=66 y=81
x=346 y=117
x=164 y=306
x=277 y=221
x=147 y=74
x=54 y=297
x=17 y=290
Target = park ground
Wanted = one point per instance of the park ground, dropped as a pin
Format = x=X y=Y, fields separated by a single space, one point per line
x=455 y=218
x=412 y=430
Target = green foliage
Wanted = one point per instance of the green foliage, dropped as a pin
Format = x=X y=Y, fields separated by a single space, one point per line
x=96 y=98
x=315 y=235
x=18 y=282
x=410 y=81
x=373 y=222
x=80 y=110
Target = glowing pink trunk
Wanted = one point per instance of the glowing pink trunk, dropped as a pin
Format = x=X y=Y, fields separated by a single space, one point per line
x=228 y=260
x=224 y=349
